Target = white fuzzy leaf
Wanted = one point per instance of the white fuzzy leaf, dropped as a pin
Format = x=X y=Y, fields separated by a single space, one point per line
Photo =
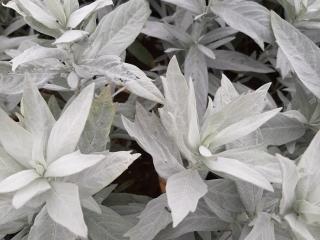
x=184 y=190
x=234 y=169
x=79 y=15
x=152 y=220
x=67 y=130
x=290 y=177
x=310 y=161
x=37 y=53
x=15 y=140
x=96 y=178
x=151 y=135
x=22 y=196
x=248 y=17
x=301 y=52
x=236 y=61
x=63 y=206
x=241 y=128
x=71 y=36
x=45 y=228
x=191 y=5
x=298 y=227
x=18 y=181
x=72 y=163
x=263 y=228
x=118 y=29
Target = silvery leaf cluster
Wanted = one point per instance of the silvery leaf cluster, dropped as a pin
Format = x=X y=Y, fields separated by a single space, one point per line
x=222 y=96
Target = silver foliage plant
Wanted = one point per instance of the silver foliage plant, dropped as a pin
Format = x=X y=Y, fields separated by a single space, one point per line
x=238 y=163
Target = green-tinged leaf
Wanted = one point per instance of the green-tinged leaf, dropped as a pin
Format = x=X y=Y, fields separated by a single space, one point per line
x=184 y=189
x=63 y=206
x=141 y=53
x=67 y=130
x=95 y=135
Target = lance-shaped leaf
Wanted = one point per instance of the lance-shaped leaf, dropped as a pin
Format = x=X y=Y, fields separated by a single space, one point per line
x=223 y=199
x=38 y=118
x=194 y=6
x=118 y=29
x=281 y=130
x=235 y=61
x=302 y=53
x=121 y=73
x=201 y=220
x=96 y=178
x=37 y=12
x=310 y=161
x=95 y=135
x=72 y=163
x=37 y=53
x=71 y=36
x=18 y=180
x=67 y=130
x=263 y=228
x=298 y=227
x=234 y=169
x=248 y=17
x=80 y=14
x=15 y=139
x=151 y=135
x=63 y=206
x=22 y=196
x=195 y=68
x=241 y=129
x=8 y=165
x=107 y=225
x=184 y=190
x=290 y=177
x=45 y=228
x=152 y=220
